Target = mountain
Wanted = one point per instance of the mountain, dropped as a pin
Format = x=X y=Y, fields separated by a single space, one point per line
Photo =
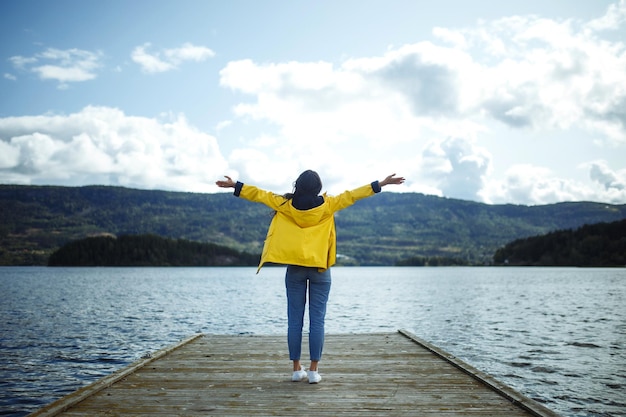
x=381 y=230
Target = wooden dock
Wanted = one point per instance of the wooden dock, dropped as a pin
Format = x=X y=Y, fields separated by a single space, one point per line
x=382 y=374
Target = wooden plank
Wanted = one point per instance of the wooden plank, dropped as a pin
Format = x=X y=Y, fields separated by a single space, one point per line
x=507 y=392
x=390 y=374
x=68 y=401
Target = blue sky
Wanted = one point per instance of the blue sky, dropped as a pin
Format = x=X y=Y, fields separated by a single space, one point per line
x=519 y=102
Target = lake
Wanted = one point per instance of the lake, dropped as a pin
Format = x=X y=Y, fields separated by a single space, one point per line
x=557 y=335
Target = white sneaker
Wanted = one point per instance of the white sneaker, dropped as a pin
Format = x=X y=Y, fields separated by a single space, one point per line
x=298 y=375
x=314 y=377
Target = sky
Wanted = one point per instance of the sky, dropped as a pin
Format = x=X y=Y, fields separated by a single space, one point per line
x=520 y=102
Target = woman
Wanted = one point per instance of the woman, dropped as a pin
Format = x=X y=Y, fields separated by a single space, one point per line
x=302 y=236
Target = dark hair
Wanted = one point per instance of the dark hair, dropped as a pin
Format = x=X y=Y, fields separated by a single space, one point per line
x=308 y=183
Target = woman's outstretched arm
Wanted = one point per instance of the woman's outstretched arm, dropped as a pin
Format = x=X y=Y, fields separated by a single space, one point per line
x=391 y=179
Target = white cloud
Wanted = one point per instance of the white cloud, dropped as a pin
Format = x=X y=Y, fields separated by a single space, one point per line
x=528 y=184
x=9 y=155
x=554 y=75
x=10 y=76
x=551 y=77
x=169 y=59
x=456 y=39
x=101 y=145
x=33 y=153
x=523 y=73
x=600 y=172
x=189 y=52
x=251 y=163
x=612 y=20
x=455 y=166
x=21 y=61
x=525 y=183
x=65 y=66
x=150 y=63
x=613 y=182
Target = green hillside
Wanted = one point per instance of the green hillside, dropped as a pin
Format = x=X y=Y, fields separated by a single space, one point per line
x=36 y=220
x=595 y=245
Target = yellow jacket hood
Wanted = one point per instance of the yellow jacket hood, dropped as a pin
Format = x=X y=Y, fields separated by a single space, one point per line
x=302 y=237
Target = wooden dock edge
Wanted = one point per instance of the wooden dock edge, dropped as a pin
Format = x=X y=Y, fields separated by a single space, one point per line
x=68 y=401
x=64 y=403
x=507 y=392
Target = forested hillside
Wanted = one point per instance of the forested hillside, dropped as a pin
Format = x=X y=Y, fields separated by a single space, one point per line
x=146 y=250
x=380 y=230
x=597 y=245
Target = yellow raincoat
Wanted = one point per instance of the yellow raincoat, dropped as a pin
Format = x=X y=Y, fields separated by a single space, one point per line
x=303 y=237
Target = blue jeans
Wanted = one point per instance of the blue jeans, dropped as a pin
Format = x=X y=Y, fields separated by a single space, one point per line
x=297 y=279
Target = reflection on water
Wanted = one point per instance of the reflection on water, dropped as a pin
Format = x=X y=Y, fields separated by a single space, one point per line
x=555 y=334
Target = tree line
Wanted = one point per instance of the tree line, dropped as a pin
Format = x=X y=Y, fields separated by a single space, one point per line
x=147 y=250
x=595 y=245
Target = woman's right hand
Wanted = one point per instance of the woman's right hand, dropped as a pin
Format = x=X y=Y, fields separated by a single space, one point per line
x=229 y=183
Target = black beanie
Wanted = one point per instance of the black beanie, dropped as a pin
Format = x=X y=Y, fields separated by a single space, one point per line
x=309 y=183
